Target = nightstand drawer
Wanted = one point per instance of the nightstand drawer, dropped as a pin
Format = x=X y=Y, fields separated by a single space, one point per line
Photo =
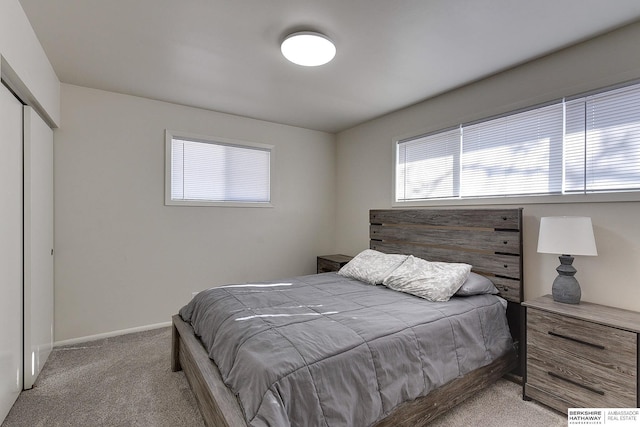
x=578 y=381
x=581 y=355
x=588 y=364
x=604 y=345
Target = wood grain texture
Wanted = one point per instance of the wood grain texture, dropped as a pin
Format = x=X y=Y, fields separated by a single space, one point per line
x=218 y=405
x=480 y=239
x=220 y=408
x=420 y=412
x=605 y=315
x=604 y=345
x=175 y=349
x=509 y=289
x=581 y=355
x=556 y=402
x=508 y=219
x=496 y=264
x=484 y=250
x=574 y=382
x=488 y=239
x=328 y=263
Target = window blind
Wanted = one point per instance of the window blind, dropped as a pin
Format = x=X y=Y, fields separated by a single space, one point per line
x=603 y=141
x=584 y=145
x=513 y=155
x=426 y=166
x=216 y=172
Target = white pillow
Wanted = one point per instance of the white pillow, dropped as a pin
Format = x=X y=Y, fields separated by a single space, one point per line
x=371 y=266
x=433 y=281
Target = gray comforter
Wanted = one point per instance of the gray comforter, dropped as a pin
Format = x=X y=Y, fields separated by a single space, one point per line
x=324 y=350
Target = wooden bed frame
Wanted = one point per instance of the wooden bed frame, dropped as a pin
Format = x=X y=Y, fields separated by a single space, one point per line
x=488 y=239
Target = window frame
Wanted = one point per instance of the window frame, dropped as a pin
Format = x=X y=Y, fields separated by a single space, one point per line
x=588 y=197
x=170 y=135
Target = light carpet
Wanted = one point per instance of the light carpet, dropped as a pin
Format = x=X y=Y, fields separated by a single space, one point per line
x=127 y=381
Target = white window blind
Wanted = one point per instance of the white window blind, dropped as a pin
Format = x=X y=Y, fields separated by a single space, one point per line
x=603 y=142
x=219 y=172
x=514 y=155
x=585 y=145
x=426 y=166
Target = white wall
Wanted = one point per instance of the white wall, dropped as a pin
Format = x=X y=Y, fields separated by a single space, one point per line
x=124 y=259
x=25 y=63
x=364 y=165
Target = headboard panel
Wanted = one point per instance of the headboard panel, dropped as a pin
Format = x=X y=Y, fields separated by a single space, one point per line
x=488 y=239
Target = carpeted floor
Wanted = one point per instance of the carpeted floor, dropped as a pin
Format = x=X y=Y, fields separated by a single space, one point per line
x=500 y=405
x=120 y=381
x=127 y=381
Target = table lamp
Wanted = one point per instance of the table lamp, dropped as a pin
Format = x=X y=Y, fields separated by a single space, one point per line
x=567 y=236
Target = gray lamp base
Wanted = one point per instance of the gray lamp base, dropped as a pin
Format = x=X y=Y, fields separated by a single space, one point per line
x=566 y=288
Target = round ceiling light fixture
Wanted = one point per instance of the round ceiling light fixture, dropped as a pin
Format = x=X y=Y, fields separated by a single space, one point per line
x=308 y=48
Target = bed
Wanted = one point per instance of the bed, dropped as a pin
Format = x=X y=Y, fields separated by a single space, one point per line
x=488 y=239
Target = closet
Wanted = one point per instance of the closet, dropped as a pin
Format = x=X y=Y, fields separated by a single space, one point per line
x=38 y=244
x=11 y=249
x=26 y=246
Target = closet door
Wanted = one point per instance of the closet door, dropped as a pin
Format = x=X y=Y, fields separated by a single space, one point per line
x=11 y=217
x=38 y=244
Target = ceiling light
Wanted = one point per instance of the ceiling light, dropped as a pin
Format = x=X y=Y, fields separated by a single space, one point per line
x=308 y=48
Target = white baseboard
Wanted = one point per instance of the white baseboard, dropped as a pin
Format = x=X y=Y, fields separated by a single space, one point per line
x=111 y=334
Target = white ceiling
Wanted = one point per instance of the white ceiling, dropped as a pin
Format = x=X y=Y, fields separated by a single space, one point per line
x=224 y=55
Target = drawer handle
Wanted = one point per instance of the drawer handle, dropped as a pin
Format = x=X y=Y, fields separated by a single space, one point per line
x=601 y=347
x=586 y=387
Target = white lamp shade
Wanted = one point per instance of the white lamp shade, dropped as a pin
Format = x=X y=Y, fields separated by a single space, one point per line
x=308 y=48
x=568 y=235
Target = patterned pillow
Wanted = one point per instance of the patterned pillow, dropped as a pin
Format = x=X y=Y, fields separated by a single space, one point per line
x=371 y=266
x=433 y=281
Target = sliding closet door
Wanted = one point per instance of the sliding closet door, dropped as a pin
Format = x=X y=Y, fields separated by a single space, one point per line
x=10 y=250
x=38 y=244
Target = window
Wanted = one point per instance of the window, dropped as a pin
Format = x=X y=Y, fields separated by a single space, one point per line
x=588 y=144
x=513 y=155
x=603 y=142
x=428 y=166
x=202 y=171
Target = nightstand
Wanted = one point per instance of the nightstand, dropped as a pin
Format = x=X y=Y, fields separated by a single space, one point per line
x=581 y=355
x=327 y=263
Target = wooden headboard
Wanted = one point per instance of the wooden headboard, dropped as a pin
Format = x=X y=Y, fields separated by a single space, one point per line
x=488 y=239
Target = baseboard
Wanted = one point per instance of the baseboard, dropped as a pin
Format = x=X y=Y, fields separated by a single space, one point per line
x=111 y=334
